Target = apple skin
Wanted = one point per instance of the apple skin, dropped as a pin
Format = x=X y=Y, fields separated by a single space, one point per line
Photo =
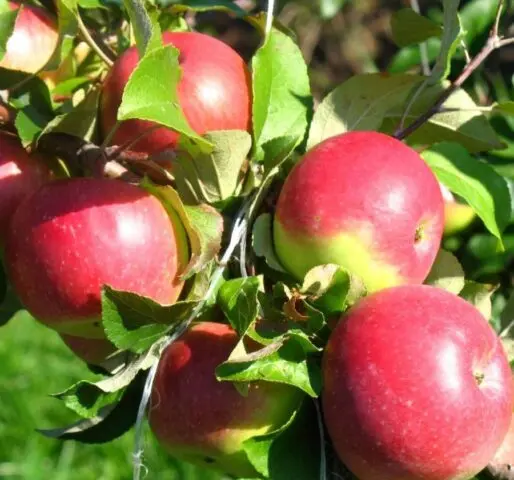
x=417 y=386
x=214 y=92
x=72 y=236
x=364 y=201
x=35 y=30
x=91 y=350
x=20 y=175
x=457 y=216
x=503 y=459
x=198 y=419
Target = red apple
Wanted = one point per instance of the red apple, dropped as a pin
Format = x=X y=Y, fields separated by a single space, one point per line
x=201 y=420
x=417 y=386
x=91 y=350
x=33 y=40
x=457 y=215
x=73 y=236
x=214 y=92
x=20 y=175
x=366 y=202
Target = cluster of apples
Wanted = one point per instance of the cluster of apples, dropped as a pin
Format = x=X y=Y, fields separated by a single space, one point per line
x=416 y=383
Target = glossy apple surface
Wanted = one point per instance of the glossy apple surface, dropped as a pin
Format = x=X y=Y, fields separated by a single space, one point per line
x=214 y=92
x=201 y=420
x=364 y=201
x=20 y=175
x=33 y=39
x=73 y=236
x=417 y=386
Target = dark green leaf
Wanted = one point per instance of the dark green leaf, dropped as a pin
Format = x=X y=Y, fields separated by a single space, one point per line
x=262 y=241
x=9 y=303
x=212 y=177
x=203 y=224
x=475 y=181
x=277 y=151
x=151 y=94
x=452 y=35
x=281 y=92
x=283 y=361
x=111 y=422
x=409 y=27
x=238 y=300
x=446 y=273
x=135 y=323
x=273 y=457
x=87 y=399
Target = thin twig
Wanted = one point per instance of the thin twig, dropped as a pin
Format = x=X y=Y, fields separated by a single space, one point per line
x=91 y=42
x=323 y=455
x=238 y=231
x=492 y=44
x=269 y=16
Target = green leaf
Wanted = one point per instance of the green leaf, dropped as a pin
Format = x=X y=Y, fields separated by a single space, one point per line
x=281 y=92
x=212 y=177
x=446 y=273
x=7 y=21
x=262 y=241
x=332 y=289
x=479 y=295
x=273 y=457
x=329 y=8
x=70 y=85
x=9 y=303
x=360 y=103
x=148 y=35
x=504 y=107
x=283 y=361
x=452 y=35
x=111 y=422
x=238 y=300
x=208 y=5
x=410 y=27
x=475 y=181
x=29 y=124
x=151 y=94
x=135 y=323
x=80 y=122
x=86 y=398
x=203 y=224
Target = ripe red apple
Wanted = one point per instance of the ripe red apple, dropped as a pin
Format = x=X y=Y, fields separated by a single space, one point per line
x=20 y=175
x=214 y=92
x=364 y=201
x=33 y=40
x=457 y=215
x=73 y=236
x=201 y=420
x=417 y=386
x=91 y=350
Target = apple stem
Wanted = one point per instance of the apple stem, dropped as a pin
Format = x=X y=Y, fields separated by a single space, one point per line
x=101 y=52
x=494 y=42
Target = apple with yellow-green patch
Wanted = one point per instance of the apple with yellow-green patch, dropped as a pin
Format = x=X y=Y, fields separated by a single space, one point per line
x=364 y=201
x=201 y=420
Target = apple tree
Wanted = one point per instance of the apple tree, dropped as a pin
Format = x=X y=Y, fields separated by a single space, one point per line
x=280 y=286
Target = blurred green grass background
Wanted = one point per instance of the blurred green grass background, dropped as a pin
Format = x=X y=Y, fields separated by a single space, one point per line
x=34 y=363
